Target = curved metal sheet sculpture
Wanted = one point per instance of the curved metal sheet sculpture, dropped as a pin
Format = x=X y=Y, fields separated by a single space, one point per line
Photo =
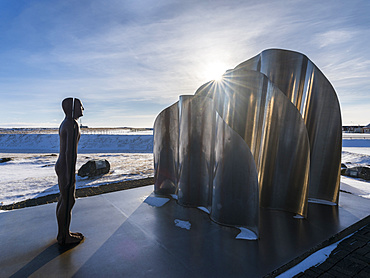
x=275 y=131
x=313 y=95
x=209 y=175
x=210 y=148
x=195 y=159
x=166 y=150
x=196 y=144
x=235 y=198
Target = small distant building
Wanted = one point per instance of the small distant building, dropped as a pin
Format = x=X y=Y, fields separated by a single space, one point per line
x=366 y=129
x=359 y=129
x=347 y=128
x=355 y=129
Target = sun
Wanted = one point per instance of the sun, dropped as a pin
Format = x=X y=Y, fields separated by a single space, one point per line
x=214 y=71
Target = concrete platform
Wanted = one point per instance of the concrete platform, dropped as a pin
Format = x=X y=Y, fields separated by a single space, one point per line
x=126 y=237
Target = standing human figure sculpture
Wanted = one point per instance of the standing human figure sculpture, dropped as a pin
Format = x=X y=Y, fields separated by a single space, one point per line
x=65 y=168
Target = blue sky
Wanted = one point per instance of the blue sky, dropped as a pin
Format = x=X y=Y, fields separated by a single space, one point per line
x=128 y=60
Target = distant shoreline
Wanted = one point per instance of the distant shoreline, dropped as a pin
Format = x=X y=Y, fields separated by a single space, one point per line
x=92 y=141
x=88 y=130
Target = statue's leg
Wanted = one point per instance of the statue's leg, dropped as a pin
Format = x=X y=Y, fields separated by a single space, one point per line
x=64 y=213
x=61 y=209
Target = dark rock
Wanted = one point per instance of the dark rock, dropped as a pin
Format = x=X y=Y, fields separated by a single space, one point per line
x=342 y=165
x=5 y=159
x=351 y=172
x=365 y=173
x=362 y=172
x=94 y=168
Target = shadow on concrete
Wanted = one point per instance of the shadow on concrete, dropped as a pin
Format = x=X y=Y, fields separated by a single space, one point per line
x=49 y=254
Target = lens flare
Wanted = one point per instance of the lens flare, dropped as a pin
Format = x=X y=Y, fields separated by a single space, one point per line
x=214 y=71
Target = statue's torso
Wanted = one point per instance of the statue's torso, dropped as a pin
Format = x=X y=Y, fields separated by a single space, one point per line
x=69 y=133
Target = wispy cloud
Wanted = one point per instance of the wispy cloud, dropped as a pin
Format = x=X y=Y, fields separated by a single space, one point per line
x=334 y=37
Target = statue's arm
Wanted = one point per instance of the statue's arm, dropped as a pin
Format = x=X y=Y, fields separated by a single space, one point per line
x=70 y=153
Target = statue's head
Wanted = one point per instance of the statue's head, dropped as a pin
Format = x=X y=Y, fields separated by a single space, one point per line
x=67 y=105
x=72 y=108
x=77 y=109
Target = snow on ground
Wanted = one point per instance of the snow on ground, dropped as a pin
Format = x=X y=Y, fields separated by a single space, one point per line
x=347 y=135
x=89 y=143
x=29 y=176
x=356 y=152
x=112 y=131
x=358 y=156
x=358 y=143
x=31 y=172
x=156 y=201
x=246 y=234
x=315 y=259
x=182 y=224
x=355 y=186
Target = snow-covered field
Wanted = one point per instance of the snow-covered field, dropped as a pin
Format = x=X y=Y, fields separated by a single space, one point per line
x=30 y=173
x=358 y=143
x=89 y=143
x=356 y=152
x=29 y=176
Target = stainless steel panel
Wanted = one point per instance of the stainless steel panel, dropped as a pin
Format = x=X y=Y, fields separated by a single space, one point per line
x=275 y=132
x=196 y=147
x=235 y=198
x=208 y=173
x=313 y=95
x=165 y=150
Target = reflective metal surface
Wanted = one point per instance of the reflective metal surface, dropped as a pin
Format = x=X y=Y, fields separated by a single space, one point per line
x=207 y=173
x=235 y=199
x=196 y=145
x=165 y=150
x=268 y=134
x=313 y=95
x=275 y=131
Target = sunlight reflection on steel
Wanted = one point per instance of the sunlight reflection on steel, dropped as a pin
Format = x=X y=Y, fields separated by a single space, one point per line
x=275 y=132
x=196 y=145
x=309 y=90
x=165 y=150
x=268 y=134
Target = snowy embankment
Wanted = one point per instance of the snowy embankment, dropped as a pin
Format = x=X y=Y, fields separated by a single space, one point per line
x=89 y=143
x=31 y=174
x=356 y=152
x=356 y=149
x=358 y=143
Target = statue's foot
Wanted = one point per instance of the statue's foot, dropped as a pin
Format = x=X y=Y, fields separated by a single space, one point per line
x=71 y=239
x=77 y=234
